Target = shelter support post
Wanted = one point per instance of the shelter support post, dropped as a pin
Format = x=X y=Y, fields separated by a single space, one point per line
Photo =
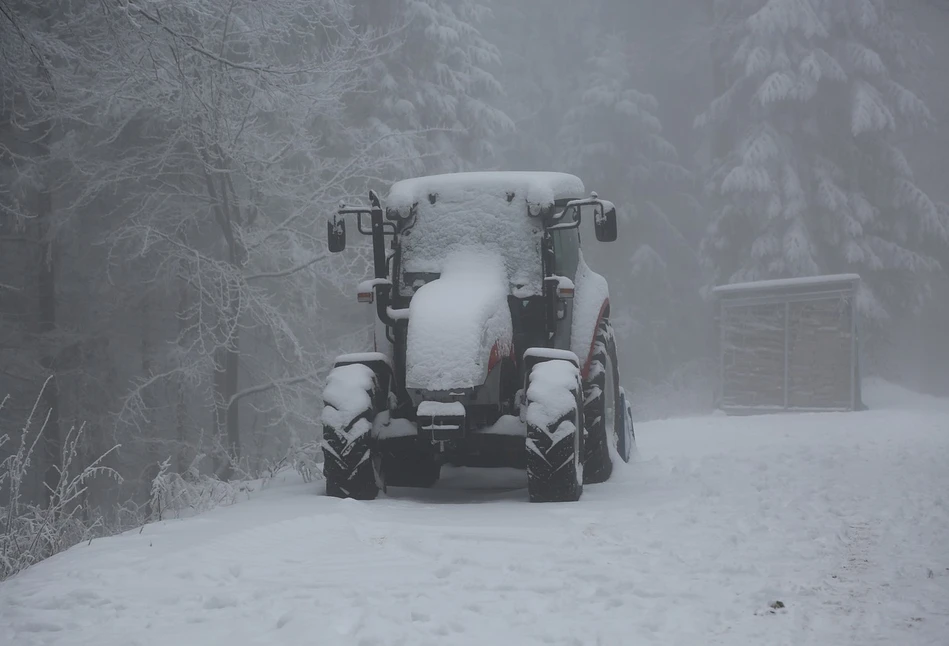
x=787 y=354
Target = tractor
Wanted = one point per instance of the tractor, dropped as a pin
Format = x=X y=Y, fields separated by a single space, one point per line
x=491 y=339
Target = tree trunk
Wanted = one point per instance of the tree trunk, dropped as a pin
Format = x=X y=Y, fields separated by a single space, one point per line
x=720 y=82
x=181 y=404
x=152 y=438
x=227 y=412
x=46 y=301
x=232 y=363
x=227 y=214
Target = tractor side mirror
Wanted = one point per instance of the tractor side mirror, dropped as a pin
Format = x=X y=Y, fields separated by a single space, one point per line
x=336 y=234
x=604 y=223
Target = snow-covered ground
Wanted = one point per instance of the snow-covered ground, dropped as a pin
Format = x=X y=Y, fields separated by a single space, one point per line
x=843 y=518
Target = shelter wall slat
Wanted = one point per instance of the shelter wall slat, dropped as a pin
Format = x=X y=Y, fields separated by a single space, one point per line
x=754 y=356
x=819 y=357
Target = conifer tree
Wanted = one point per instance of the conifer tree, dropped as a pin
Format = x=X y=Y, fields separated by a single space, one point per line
x=813 y=179
x=612 y=136
x=434 y=96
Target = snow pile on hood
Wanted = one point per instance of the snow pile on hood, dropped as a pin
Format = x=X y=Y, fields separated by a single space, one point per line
x=489 y=210
x=454 y=322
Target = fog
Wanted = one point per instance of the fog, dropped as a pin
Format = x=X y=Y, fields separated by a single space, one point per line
x=167 y=168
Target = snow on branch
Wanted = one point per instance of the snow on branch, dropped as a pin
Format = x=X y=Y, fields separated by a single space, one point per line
x=8 y=14
x=289 y=271
x=869 y=113
x=777 y=87
x=747 y=179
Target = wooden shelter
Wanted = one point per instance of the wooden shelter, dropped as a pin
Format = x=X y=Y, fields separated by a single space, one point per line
x=789 y=345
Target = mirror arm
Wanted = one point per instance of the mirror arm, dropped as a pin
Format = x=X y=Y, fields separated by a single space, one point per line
x=566 y=225
x=366 y=229
x=378 y=230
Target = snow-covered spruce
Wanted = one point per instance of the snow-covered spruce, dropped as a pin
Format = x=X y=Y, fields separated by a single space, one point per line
x=439 y=73
x=815 y=179
x=602 y=413
x=612 y=136
x=554 y=420
x=349 y=400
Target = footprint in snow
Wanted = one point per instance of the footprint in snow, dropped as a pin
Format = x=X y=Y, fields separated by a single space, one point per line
x=218 y=602
x=40 y=627
x=774 y=608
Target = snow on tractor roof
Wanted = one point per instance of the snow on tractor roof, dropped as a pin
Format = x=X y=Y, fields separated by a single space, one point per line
x=481 y=212
x=536 y=187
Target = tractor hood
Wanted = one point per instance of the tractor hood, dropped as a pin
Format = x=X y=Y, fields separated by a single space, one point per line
x=456 y=320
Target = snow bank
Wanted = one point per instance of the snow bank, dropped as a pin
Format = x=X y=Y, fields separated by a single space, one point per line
x=881 y=394
x=455 y=320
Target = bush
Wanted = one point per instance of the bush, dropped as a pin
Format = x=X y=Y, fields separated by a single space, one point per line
x=32 y=531
x=176 y=495
x=36 y=525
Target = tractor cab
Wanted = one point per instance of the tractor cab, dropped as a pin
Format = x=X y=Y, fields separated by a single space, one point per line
x=523 y=229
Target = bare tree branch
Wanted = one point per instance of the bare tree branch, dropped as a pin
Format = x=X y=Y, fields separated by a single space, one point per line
x=262 y=388
x=287 y=272
x=7 y=13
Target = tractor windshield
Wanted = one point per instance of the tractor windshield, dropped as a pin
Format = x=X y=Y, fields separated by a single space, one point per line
x=471 y=220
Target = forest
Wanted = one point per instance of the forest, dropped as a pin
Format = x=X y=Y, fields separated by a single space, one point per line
x=168 y=306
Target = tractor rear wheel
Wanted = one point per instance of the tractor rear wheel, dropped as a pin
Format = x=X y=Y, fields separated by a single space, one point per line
x=554 y=430
x=603 y=411
x=349 y=407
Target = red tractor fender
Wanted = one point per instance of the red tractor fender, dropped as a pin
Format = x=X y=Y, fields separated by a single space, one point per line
x=499 y=351
x=604 y=312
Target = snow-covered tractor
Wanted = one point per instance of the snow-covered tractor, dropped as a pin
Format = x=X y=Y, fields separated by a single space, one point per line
x=492 y=339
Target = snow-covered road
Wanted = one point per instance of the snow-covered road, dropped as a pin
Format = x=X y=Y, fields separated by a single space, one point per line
x=844 y=518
